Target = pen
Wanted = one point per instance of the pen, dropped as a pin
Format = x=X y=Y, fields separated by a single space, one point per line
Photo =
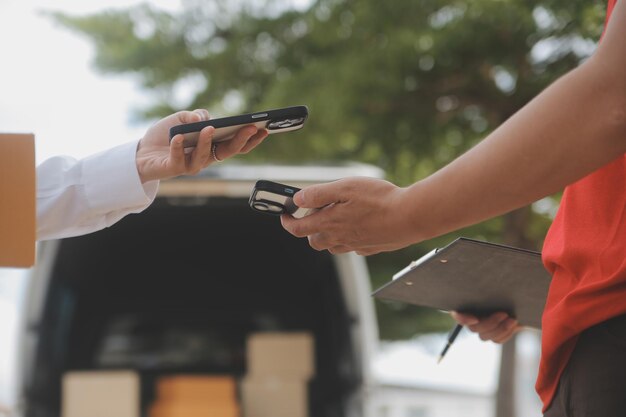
x=453 y=334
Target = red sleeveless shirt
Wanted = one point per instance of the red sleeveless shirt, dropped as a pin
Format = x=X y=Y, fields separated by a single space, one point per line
x=585 y=251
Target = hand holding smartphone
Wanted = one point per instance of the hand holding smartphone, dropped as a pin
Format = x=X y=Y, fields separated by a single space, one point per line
x=275 y=121
x=275 y=198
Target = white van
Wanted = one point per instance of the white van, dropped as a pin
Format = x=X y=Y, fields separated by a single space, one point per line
x=178 y=288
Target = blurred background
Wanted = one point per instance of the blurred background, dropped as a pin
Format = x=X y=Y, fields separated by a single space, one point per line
x=405 y=85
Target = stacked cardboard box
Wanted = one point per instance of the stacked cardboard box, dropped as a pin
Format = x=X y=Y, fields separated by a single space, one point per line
x=195 y=396
x=280 y=366
x=100 y=394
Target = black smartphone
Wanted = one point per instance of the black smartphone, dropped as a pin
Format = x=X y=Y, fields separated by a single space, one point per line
x=276 y=198
x=275 y=121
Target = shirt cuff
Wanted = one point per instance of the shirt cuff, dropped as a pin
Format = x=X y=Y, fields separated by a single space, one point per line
x=111 y=180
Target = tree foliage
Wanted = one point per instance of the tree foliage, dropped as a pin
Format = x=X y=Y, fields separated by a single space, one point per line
x=406 y=85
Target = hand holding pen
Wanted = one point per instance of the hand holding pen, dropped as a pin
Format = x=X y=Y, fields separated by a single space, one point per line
x=497 y=327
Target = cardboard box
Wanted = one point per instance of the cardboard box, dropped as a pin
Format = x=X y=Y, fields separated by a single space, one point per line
x=17 y=208
x=183 y=409
x=197 y=388
x=195 y=396
x=285 y=354
x=100 y=394
x=274 y=397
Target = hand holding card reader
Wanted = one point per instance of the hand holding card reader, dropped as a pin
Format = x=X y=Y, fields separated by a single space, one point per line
x=275 y=198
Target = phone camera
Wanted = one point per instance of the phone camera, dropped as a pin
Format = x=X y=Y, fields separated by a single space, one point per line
x=268 y=207
x=284 y=123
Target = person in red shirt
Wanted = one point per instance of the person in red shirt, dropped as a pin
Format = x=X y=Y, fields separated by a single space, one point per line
x=571 y=135
x=583 y=365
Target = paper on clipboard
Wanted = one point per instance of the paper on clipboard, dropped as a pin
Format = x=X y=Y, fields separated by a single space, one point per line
x=17 y=204
x=477 y=278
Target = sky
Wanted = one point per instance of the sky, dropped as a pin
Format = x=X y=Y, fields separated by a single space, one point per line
x=48 y=87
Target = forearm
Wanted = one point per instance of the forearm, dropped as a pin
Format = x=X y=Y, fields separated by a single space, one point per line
x=76 y=197
x=574 y=127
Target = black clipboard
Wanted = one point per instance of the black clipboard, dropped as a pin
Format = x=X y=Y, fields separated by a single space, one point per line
x=475 y=277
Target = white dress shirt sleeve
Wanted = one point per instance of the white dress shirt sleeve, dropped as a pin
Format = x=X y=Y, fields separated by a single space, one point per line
x=76 y=197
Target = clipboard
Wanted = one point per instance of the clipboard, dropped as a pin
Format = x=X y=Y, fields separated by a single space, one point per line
x=475 y=277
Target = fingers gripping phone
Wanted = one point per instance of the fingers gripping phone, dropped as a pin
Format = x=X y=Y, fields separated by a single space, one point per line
x=275 y=121
x=275 y=198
